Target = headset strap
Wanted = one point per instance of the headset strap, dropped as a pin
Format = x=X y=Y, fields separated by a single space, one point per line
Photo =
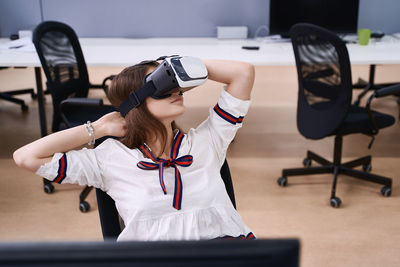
x=164 y=57
x=137 y=97
x=155 y=60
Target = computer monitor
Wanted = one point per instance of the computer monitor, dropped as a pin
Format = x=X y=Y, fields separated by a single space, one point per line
x=272 y=252
x=339 y=16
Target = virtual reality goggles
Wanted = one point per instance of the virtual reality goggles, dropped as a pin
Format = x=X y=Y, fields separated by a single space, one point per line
x=175 y=73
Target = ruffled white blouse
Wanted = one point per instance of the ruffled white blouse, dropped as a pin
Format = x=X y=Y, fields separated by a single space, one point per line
x=185 y=202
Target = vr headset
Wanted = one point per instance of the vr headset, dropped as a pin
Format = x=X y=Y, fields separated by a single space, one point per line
x=175 y=73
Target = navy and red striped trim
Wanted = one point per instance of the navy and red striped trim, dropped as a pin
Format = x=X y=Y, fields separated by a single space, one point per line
x=62 y=169
x=176 y=144
x=161 y=177
x=177 y=203
x=248 y=236
x=147 y=153
x=227 y=116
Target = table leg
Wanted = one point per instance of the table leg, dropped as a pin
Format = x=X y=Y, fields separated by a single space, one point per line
x=372 y=74
x=42 y=113
x=371 y=82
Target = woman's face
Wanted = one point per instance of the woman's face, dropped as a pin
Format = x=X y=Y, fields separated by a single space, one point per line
x=166 y=109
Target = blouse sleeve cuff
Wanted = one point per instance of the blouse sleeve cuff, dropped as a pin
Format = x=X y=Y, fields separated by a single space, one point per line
x=230 y=108
x=50 y=169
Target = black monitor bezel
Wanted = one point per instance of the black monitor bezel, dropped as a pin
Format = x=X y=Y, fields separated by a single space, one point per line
x=275 y=252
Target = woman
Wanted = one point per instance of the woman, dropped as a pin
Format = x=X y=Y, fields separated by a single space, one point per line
x=166 y=184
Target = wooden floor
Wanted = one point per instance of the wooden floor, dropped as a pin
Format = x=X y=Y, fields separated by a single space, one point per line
x=364 y=231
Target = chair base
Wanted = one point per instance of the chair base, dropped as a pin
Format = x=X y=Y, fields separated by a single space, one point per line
x=336 y=168
x=8 y=96
x=84 y=206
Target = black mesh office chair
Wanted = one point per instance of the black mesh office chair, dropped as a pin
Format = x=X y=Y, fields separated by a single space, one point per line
x=77 y=111
x=324 y=106
x=65 y=68
x=111 y=225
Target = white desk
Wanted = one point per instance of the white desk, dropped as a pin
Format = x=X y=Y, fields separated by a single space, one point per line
x=126 y=52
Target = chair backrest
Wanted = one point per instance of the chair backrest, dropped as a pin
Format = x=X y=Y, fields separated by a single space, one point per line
x=62 y=60
x=109 y=218
x=324 y=76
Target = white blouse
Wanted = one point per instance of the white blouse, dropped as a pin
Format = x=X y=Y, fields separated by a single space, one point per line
x=187 y=201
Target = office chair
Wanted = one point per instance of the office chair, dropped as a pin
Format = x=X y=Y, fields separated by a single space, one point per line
x=9 y=95
x=77 y=111
x=324 y=106
x=109 y=218
x=62 y=60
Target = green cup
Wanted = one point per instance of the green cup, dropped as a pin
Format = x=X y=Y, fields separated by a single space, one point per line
x=363 y=36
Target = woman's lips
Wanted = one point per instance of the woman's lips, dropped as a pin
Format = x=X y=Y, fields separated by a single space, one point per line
x=177 y=99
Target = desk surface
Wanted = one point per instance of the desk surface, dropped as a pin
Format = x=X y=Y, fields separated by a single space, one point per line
x=126 y=52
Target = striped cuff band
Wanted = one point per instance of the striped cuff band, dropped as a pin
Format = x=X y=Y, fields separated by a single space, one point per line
x=227 y=116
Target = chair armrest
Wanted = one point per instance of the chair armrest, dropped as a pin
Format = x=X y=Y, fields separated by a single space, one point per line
x=380 y=93
x=95 y=86
x=84 y=102
x=390 y=90
x=104 y=84
x=371 y=118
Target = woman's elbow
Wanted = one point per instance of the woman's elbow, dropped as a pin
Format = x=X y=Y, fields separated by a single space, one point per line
x=249 y=71
x=18 y=157
x=247 y=76
x=23 y=161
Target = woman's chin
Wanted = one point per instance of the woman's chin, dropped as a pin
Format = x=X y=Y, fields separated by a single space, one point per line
x=173 y=113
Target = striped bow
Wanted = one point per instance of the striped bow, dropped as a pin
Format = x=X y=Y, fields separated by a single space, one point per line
x=160 y=164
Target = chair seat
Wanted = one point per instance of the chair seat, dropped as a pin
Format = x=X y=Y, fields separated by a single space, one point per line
x=357 y=121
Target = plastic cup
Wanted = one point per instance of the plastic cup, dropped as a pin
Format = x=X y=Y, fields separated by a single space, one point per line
x=363 y=36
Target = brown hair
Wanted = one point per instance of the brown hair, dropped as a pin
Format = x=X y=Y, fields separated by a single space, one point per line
x=142 y=126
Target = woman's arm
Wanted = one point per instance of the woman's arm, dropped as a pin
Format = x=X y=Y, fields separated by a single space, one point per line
x=238 y=76
x=41 y=151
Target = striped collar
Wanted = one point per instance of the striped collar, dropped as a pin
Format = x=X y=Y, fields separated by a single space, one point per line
x=176 y=144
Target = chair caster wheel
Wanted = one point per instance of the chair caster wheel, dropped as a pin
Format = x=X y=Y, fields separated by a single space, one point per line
x=307 y=162
x=335 y=202
x=282 y=181
x=367 y=167
x=84 y=206
x=48 y=188
x=386 y=191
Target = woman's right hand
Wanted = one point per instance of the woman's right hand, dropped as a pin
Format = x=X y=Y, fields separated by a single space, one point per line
x=41 y=151
x=112 y=124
